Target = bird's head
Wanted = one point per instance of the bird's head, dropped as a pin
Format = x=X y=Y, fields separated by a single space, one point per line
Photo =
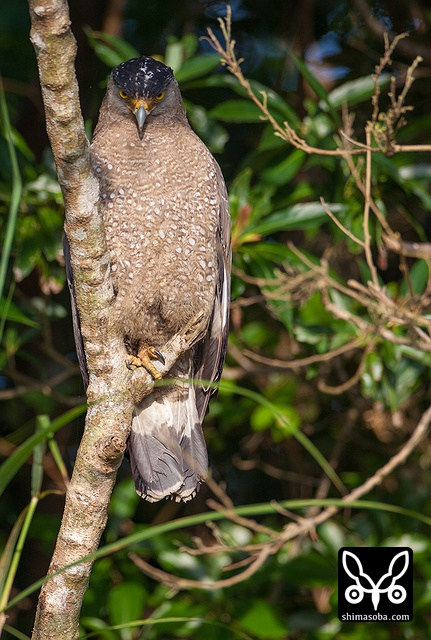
x=146 y=86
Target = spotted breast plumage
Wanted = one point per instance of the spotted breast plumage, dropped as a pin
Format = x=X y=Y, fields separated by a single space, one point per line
x=167 y=225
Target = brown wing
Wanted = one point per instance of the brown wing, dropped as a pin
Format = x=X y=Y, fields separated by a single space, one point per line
x=211 y=352
x=209 y=356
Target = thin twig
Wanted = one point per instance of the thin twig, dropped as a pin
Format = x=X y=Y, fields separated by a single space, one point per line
x=366 y=219
x=177 y=583
x=357 y=343
x=339 y=224
x=352 y=381
x=408 y=249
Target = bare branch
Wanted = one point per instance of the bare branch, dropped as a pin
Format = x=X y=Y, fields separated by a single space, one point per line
x=408 y=249
x=233 y=65
x=351 y=382
x=357 y=343
x=366 y=219
x=174 y=582
x=385 y=60
x=346 y=231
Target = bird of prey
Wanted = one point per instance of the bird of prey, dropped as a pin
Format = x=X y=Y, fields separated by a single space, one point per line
x=165 y=211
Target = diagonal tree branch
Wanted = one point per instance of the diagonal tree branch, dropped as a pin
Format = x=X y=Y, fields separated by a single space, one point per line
x=88 y=494
x=112 y=388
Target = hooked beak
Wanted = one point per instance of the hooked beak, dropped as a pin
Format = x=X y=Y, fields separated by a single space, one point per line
x=141 y=115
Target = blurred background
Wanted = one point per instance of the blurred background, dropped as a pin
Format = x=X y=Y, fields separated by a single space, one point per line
x=358 y=395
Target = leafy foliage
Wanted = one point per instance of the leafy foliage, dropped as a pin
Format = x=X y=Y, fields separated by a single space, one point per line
x=321 y=365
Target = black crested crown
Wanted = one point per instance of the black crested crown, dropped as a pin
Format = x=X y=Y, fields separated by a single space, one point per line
x=142 y=77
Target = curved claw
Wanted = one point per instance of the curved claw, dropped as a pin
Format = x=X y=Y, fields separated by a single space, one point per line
x=156 y=355
x=129 y=362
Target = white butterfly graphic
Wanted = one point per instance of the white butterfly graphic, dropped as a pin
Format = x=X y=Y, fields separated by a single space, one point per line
x=355 y=593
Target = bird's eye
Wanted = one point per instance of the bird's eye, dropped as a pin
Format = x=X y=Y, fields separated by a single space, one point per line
x=160 y=96
x=123 y=94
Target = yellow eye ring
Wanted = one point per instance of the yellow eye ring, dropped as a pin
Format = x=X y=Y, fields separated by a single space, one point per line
x=160 y=96
x=123 y=94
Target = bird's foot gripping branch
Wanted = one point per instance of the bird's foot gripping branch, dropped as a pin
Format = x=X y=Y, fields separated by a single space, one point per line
x=180 y=343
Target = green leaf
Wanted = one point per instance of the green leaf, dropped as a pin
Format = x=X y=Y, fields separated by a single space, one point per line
x=415 y=171
x=275 y=102
x=372 y=375
x=312 y=570
x=183 y=564
x=421 y=191
x=241 y=185
x=299 y=216
x=269 y=140
x=214 y=135
x=109 y=57
x=14 y=633
x=317 y=87
x=16 y=193
x=44 y=188
x=7 y=554
x=30 y=241
x=126 y=603
x=255 y=334
x=174 y=54
x=112 y=50
x=406 y=351
x=418 y=276
x=51 y=225
x=190 y=44
x=290 y=424
x=42 y=423
x=275 y=252
x=124 y=499
x=22 y=146
x=9 y=311
x=353 y=92
x=316 y=317
x=287 y=169
x=309 y=77
x=196 y=67
x=91 y=623
x=236 y=111
x=262 y=621
x=261 y=419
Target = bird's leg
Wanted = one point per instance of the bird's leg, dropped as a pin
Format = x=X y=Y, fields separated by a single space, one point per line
x=145 y=355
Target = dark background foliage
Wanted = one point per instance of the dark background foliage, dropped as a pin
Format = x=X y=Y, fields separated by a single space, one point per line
x=275 y=193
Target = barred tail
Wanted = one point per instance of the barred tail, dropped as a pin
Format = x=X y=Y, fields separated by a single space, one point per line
x=166 y=447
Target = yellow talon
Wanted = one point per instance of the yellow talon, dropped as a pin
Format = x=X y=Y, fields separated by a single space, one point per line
x=146 y=353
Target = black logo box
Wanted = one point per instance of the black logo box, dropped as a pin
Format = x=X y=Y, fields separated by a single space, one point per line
x=362 y=593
